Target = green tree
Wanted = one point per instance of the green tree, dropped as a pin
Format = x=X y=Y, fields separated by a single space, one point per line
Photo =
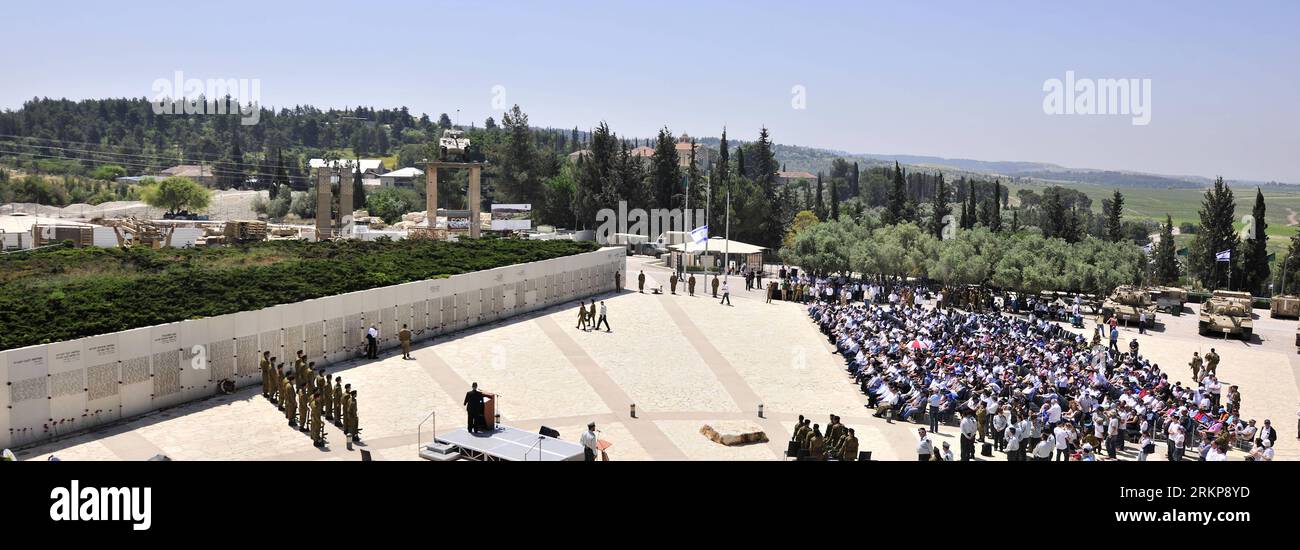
x=1113 y=209
x=1166 y=255
x=108 y=172
x=517 y=161
x=835 y=198
x=176 y=194
x=1254 y=264
x=1216 y=235
x=666 y=171
x=898 y=210
x=939 y=207
x=819 y=205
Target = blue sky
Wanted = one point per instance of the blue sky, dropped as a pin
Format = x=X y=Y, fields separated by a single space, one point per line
x=954 y=79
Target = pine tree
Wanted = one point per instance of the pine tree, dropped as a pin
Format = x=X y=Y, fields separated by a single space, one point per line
x=835 y=199
x=1166 y=255
x=994 y=218
x=972 y=208
x=898 y=208
x=666 y=171
x=1255 y=268
x=854 y=182
x=939 y=207
x=1114 y=211
x=1015 y=220
x=1216 y=234
x=1053 y=216
x=965 y=221
x=1291 y=267
x=819 y=206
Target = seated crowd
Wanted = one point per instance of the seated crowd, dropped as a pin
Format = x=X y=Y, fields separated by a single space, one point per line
x=1021 y=385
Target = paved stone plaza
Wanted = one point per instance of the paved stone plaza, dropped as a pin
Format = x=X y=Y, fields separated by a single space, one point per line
x=683 y=361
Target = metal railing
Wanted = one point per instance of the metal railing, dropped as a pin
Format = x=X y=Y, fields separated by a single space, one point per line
x=419 y=439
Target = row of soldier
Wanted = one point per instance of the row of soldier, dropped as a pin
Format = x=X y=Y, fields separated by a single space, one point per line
x=309 y=397
x=839 y=443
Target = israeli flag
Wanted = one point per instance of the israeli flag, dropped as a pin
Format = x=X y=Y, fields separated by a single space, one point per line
x=1225 y=256
x=700 y=234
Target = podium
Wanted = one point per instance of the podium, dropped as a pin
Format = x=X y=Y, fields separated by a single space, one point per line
x=489 y=411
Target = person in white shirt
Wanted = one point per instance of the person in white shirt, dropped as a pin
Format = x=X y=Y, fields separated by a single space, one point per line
x=969 y=429
x=1013 y=444
x=946 y=454
x=1064 y=436
x=372 y=343
x=1043 y=451
x=1142 y=446
x=726 y=294
x=924 y=447
x=603 y=319
x=590 y=445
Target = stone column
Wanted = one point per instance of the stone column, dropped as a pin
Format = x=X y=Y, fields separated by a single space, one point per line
x=431 y=195
x=472 y=205
x=345 y=197
x=324 y=218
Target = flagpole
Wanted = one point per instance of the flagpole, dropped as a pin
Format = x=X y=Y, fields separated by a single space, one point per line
x=726 y=254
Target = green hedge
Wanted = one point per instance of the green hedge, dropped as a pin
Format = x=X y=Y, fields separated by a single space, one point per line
x=61 y=294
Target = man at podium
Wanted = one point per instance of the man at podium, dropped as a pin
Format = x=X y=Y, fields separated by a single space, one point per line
x=474 y=409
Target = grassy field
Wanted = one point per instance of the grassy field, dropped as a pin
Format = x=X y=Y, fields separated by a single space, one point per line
x=1184 y=204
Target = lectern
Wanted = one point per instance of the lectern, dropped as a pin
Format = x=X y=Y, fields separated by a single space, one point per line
x=489 y=411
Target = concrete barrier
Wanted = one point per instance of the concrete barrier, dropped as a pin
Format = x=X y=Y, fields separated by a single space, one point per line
x=56 y=389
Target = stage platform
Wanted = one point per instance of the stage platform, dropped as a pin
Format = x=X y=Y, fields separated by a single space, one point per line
x=510 y=444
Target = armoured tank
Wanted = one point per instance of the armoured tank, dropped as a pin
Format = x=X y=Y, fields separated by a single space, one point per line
x=1284 y=306
x=1226 y=313
x=1169 y=299
x=453 y=146
x=1126 y=303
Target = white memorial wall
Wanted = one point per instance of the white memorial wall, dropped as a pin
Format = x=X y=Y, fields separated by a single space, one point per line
x=57 y=389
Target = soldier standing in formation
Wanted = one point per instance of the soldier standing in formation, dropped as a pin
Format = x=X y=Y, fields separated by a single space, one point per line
x=351 y=432
x=715 y=286
x=672 y=282
x=266 y=374
x=287 y=401
x=337 y=402
x=304 y=406
x=640 y=282
x=1196 y=366
x=327 y=398
x=690 y=285
x=300 y=367
x=317 y=425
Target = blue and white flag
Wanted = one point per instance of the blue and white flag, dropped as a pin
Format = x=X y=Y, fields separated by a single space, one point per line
x=1225 y=256
x=700 y=234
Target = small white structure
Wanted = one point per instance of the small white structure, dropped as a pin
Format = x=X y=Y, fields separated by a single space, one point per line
x=404 y=177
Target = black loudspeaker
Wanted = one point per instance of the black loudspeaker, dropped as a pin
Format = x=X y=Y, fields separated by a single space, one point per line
x=365 y=455
x=549 y=432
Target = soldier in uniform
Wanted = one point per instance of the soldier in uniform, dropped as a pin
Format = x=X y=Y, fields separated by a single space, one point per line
x=640 y=282
x=797 y=425
x=848 y=449
x=287 y=402
x=582 y=316
x=618 y=281
x=834 y=431
x=266 y=374
x=346 y=404
x=404 y=336
x=715 y=286
x=304 y=407
x=317 y=426
x=327 y=398
x=351 y=427
x=337 y=402
x=276 y=374
x=300 y=367
x=690 y=285
x=1196 y=366
x=591 y=315
x=816 y=445
x=1211 y=362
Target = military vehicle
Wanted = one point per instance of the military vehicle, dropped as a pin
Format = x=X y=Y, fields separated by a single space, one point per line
x=1127 y=303
x=1226 y=313
x=1169 y=299
x=1284 y=306
x=453 y=146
